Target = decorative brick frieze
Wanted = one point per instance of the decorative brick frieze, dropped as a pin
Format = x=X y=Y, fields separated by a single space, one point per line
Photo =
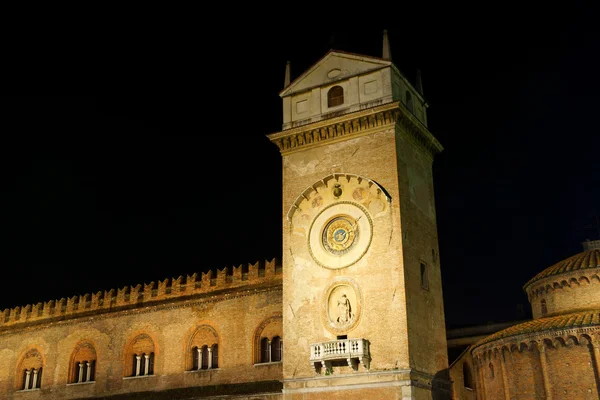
x=356 y=124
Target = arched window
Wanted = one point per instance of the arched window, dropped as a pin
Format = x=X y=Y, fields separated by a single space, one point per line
x=203 y=349
x=215 y=356
x=424 y=276
x=335 y=96
x=30 y=371
x=268 y=341
x=409 y=102
x=140 y=356
x=196 y=351
x=276 y=347
x=265 y=351
x=83 y=363
x=467 y=377
x=143 y=364
x=544 y=308
x=491 y=371
x=204 y=357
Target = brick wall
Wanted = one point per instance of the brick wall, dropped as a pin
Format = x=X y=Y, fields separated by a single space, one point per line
x=234 y=318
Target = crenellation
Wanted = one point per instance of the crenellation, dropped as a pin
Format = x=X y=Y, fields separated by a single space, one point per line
x=162 y=288
x=62 y=305
x=27 y=312
x=222 y=276
x=37 y=310
x=49 y=307
x=69 y=304
x=253 y=271
x=207 y=278
x=123 y=295
x=237 y=274
x=16 y=313
x=108 y=300
x=150 y=290
x=176 y=284
x=96 y=300
x=270 y=268
x=192 y=281
x=85 y=301
x=72 y=304
x=136 y=294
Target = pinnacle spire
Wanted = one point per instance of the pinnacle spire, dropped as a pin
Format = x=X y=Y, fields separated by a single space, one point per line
x=286 y=81
x=387 y=54
x=419 y=82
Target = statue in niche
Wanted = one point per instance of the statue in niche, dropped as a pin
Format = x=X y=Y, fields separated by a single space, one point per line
x=344 y=310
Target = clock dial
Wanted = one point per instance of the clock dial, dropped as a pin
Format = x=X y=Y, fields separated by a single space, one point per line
x=340 y=235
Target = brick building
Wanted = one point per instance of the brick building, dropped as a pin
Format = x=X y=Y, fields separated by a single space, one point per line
x=554 y=356
x=354 y=308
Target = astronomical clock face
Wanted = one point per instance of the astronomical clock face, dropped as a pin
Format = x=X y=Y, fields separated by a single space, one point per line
x=340 y=235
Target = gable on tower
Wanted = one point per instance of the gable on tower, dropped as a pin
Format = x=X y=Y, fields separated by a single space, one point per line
x=342 y=82
x=334 y=66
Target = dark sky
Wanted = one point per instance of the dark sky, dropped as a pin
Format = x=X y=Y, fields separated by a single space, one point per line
x=165 y=169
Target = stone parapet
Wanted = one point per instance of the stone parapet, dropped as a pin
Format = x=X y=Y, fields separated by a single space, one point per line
x=359 y=123
x=142 y=294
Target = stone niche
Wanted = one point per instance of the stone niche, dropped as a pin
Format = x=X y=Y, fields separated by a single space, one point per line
x=342 y=304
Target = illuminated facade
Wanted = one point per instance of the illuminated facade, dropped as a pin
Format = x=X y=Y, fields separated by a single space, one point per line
x=554 y=356
x=353 y=308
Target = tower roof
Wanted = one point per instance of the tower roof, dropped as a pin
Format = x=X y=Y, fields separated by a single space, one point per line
x=583 y=260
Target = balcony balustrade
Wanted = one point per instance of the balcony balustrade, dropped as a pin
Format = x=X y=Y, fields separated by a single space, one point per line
x=351 y=351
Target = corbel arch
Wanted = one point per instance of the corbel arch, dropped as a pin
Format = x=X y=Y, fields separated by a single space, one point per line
x=363 y=190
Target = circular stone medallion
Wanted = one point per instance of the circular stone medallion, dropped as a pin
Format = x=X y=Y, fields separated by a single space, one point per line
x=340 y=235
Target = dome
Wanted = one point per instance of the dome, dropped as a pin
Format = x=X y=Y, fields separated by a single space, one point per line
x=583 y=260
x=559 y=322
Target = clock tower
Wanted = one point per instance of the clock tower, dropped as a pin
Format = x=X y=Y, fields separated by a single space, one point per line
x=363 y=313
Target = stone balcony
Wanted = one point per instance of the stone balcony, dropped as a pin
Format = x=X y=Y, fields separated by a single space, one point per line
x=351 y=352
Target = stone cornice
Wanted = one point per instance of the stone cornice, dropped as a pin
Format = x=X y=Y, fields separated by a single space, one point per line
x=585 y=261
x=527 y=339
x=566 y=279
x=578 y=324
x=356 y=124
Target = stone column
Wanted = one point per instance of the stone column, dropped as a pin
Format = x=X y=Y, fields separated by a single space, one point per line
x=27 y=375
x=479 y=363
x=138 y=365
x=596 y=358
x=88 y=376
x=547 y=387
x=269 y=347
x=199 y=351
x=80 y=374
x=596 y=346
x=209 y=357
x=146 y=363
x=504 y=377
x=35 y=377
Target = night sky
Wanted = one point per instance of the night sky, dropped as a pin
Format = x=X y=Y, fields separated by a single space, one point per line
x=165 y=169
